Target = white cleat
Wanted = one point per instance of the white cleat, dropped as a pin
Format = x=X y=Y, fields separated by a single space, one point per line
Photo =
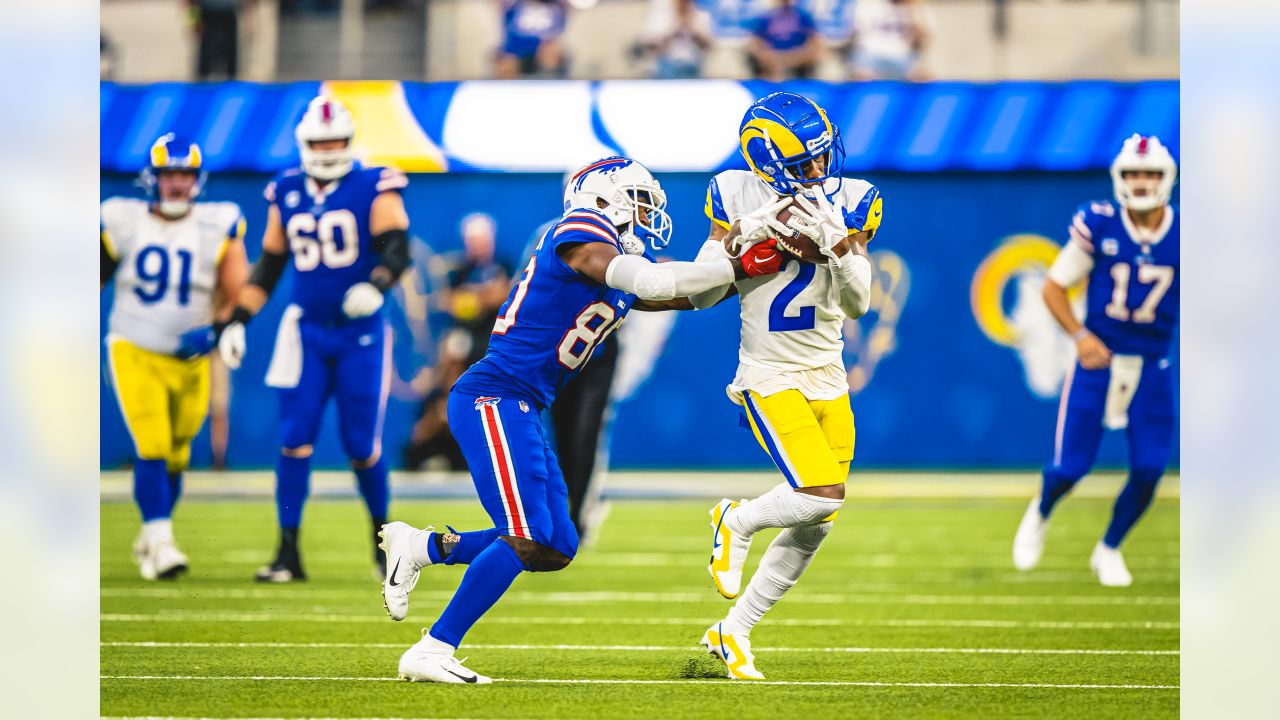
x=142 y=556
x=1028 y=544
x=1108 y=564
x=165 y=560
x=430 y=660
x=732 y=649
x=402 y=571
x=728 y=551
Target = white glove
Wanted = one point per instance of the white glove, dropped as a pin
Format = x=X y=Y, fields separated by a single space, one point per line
x=760 y=226
x=361 y=300
x=231 y=345
x=821 y=221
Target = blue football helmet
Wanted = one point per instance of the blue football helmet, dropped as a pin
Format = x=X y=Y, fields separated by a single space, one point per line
x=783 y=132
x=168 y=153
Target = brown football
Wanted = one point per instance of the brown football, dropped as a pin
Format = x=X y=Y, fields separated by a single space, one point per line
x=794 y=244
x=799 y=245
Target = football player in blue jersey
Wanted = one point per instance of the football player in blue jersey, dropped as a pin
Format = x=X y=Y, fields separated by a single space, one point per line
x=1128 y=251
x=346 y=230
x=587 y=272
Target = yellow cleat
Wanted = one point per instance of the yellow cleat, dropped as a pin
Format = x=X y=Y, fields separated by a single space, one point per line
x=728 y=552
x=733 y=650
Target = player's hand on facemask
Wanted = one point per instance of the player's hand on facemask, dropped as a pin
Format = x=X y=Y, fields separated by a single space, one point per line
x=361 y=300
x=1094 y=355
x=760 y=226
x=196 y=342
x=231 y=345
x=820 y=221
x=763 y=258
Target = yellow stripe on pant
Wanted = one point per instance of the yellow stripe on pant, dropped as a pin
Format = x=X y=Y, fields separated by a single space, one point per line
x=164 y=400
x=811 y=441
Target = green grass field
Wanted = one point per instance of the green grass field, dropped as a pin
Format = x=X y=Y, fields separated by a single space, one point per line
x=912 y=609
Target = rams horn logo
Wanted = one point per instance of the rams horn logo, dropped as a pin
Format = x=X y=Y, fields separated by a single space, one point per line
x=1026 y=326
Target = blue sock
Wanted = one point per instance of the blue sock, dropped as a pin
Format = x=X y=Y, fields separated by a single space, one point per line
x=175 y=489
x=374 y=488
x=482 y=584
x=151 y=489
x=293 y=479
x=1133 y=500
x=469 y=547
x=1055 y=487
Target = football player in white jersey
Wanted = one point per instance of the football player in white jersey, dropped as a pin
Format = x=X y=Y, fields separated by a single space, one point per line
x=791 y=380
x=173 y=259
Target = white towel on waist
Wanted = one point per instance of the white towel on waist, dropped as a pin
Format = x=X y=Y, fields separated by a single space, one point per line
x=1126 y=371
x=286 y=360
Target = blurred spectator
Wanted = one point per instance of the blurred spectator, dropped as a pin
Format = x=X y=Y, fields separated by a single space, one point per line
x=217 y=24
x=784 y=43
x=476 y=286
x=889 y=37
x=678 y=37
x=107 y=58
x=531 y=43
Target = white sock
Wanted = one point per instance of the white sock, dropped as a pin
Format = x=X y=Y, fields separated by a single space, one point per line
x=419 y=544
x=432 y=645
x=158 y=530
x=783 y=563
x=781 y=507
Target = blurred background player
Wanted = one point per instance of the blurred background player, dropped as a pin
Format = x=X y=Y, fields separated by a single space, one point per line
x=678 y=37
x=346 y=229
x=791 y=379
x=587 y=273
x=172 y=258
x=476 y=284
x=889 y=39
x=1129 y=252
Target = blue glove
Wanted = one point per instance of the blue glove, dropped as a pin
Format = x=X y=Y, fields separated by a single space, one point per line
x=197 y=342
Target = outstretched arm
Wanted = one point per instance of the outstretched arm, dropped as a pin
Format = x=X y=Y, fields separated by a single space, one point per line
x=665 y=281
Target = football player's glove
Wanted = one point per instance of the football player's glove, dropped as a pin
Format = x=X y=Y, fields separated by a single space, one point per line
x=361 y=300
x=196 y=342
x=231 y=345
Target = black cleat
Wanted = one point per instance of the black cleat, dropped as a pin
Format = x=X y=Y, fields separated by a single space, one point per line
x=287 y=567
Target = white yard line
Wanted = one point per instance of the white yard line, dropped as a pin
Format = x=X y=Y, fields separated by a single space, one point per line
x=712 y=683
x=593 y=597
x=178 y=616
x=660 y=648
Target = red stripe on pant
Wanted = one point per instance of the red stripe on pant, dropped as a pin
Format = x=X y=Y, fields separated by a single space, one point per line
x=506 y=479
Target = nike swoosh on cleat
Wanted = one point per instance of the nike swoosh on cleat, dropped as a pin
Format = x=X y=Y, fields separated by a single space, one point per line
x=391 y=577
x=463 y=678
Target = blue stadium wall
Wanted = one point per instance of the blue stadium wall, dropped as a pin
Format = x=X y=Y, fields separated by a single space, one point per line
x=948 y=373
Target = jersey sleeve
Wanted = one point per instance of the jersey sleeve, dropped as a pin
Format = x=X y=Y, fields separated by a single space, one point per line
x=714 y=207
x=1088 y=217
x=117 y=222
x=581 y=226
x=867 y=214
x=235 y=229
x=390 y=179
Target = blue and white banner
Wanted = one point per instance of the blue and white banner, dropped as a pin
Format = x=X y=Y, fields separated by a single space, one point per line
x=685 y=126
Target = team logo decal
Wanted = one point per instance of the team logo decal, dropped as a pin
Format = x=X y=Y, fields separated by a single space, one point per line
x=863 y=350
x=489 y=400
x=1006 y=303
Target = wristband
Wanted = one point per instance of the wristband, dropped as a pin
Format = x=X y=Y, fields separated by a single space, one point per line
x=1080 y=334
x=240 y=315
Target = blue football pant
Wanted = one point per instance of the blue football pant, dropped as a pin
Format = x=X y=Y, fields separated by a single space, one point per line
x=1079 y=433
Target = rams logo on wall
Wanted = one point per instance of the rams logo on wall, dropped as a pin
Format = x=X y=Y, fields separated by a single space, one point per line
x=863 y=351
x=1006 y=302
